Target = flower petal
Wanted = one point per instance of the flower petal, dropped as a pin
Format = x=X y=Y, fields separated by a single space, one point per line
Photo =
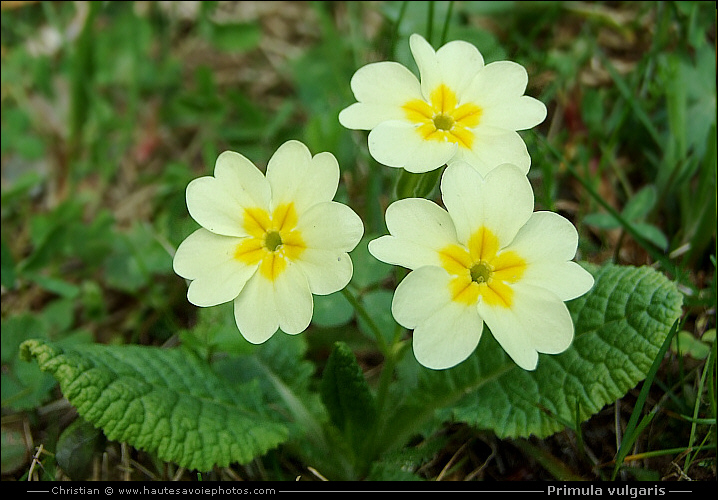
x=448 y=337
x=502 y=201
x=419 y=229
x=459 y=63
x=546 y=236
x=445 y=332
x=547 y=242
x=493 y=147
x=265 y=306
x=567 y=280
x=366 y=116
x=537 y=321
x=217 y=203
x=381 y=89
x=496 y=82
x=427 y=62
x=331 y=226
x=208 y=260
x=294 y=300
x=327 y=271
x=517 y=113
x=296 y=177
x=255 y=310
x=419 y=295
x=329 y=230
x=455 y=64
x=398 y=144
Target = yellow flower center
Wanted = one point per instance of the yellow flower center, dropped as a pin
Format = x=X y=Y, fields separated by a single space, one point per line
x=442 y=119
x=273 y=239
x=481 y=272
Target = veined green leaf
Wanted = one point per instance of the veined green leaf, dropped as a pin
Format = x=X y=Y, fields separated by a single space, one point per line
x=619 y=327
x=165 y=401
x=346 y=394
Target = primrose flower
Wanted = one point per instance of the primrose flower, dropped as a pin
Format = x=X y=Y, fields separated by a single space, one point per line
x=461 y=109
x=488 y=258
x=268 y=243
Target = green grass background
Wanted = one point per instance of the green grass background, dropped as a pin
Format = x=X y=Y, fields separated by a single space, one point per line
x=109 y=109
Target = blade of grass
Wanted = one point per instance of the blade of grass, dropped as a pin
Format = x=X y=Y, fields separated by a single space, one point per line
x=633 y=429
x=659 y=453
x=445 y=30
x=625 y=91
x=656 y=255
x=430 y=22
x=552 y=464
x=699 y=393
x=395 y=28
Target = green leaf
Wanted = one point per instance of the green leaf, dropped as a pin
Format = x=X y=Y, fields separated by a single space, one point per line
x=602 y=220
x=639 y=206
x=136 y=256
x=651 y=233
x=24 y=386
x=285 y=378
x=15 y=451
x=619 y=327
x=685 y=344
x=410 y=185
x=332 y=310
x=76 y=448
x=347 y=396
x=55 y=285
x=634 y=428
x=8 y=266
x=166 y=402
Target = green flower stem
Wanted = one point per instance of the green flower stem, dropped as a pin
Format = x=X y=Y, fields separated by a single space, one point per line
x=361 y=311
x=392 y=354
x=376 y=444
x=411 y=185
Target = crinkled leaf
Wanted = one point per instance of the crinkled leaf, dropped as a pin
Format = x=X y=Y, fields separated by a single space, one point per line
x=346 y=394
x=284 y=377
x=620 y=325
x=165 y=401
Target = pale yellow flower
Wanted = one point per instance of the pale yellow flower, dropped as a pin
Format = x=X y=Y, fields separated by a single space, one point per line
x=488 y=258
x=268 y=243
x=460 y=110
